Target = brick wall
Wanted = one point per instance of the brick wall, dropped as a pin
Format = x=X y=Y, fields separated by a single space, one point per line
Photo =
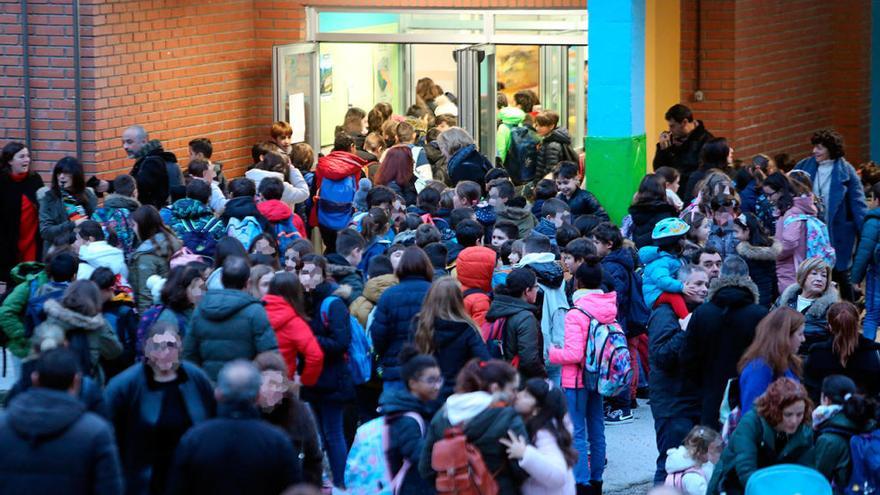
x=774 y=72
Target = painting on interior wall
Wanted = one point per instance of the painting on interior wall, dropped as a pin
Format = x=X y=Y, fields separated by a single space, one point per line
x=382 y=86
x=326 y=73
x=518 y=67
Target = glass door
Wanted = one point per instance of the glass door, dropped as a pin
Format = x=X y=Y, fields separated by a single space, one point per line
x=296 y=85
x=476 y=84
x=563 y=88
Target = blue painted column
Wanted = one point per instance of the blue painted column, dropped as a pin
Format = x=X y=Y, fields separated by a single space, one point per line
x=615 y=142
x=875 y=80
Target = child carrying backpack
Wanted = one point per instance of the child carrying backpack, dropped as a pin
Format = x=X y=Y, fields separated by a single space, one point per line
x=336 y=180
x=689 y=466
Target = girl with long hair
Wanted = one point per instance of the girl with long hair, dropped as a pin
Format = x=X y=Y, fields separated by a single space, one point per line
x=153 y=254
x=649 y=206
x=285 y=307
x=377 y=233
x=396 y=172
x=760 y=251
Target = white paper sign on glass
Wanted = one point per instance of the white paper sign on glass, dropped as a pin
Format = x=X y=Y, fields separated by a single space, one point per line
x=297 y=104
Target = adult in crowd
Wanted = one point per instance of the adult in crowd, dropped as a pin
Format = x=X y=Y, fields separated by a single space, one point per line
x=708 y=258
x=152 y=404
x=716 y=155
x=229 y=323
x=719 y=332
x=846 y=353
x=680 y=146
x=152 y=256
x=237 y=452
x=649 y=206
x=777 y=431
x=812 y=296
x=836 y=182
x=155 y=170
x=463 y=159
x=66 y=204
x=675 y=394
x=64 y=447
x=19 y=184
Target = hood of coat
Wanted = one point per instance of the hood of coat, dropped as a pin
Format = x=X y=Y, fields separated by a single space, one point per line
x=42 y=413
x=279 y=311
x=475 y=266
x=601 y=305
x=69 y=319
x=819 y=307
x=99 y=253
x=733 y=292
x=558 y=135
x=274 y=210
x=504 y=306
x=221 y=304
x=190 y=209
x=759 y=253
x=241 y=207
x=873 y=213
x=469 y=154
x=464 y=407
x=511 y=116
x=340 y=164
x=120 y=201
x=151 y=147
x=515 y=213
x=446 y=331
x=547 y=270
x=402 y=401
x=648 y=254
x=160 y=245
x=338 y=267
x=257 y=175
x=678 y=459
x=375 y=286
x=804 y=204
x=624 y=257
x=329 y=288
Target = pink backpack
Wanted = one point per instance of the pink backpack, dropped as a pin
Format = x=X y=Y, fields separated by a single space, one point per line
x=676 y=479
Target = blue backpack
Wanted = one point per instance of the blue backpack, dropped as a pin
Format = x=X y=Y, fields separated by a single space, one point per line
x=522 y=156
x=336 y=202
x=366 y=469
x=285 y=233
x=818 y=239
x=865 y=454
x=201 y=240
x=37 y=297
x=638 y=315
x=360 y=349
x=244 y=229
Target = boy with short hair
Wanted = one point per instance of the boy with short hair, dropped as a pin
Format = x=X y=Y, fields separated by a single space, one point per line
x=115 y=215
x=555 y=144
x=554 y=213
x=504 y=231
x=468 y=233
x=342 y=264
x=286 y=225
x=243 y=205
x=580 y=201
x=344 y=168
x=544 y=190
x=203 y=149
x=201 y=169
x=437 y=253
x=192 y=221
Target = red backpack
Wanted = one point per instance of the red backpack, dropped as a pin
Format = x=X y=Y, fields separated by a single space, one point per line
x=460 y=467
x=493 y=335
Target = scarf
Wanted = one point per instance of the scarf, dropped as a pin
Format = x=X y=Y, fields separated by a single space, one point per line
x=75 y=211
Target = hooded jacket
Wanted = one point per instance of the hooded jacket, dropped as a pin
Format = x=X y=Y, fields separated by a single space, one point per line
x=190 y=214
x=50 y=441
x=392 y=323
x=521 y=334
x=241 y=207
x=555 y=148
x=521 y=217
x=684 y=156
x=455 y=343
x=293 y=193
x=868 y=239
x=552 y=296
x=692 y=483
x=793 y=237
x=549 y=473
x=474 y=267
x=150 y=258
x=485 y=422
x=334 y=336
x=336 y=165
x=645 y=216
x=151 y=174
x=362 y=306
x=100 y=336
x=674 y=392
x=100 y=254
x=345 y=275
x=603 y=307
x=296 y=419
x=227 y=325
x=660 y=275
x=618 y=268
x=863 y=367
x=407 y=442
x=468 y=164
x=509 y=117
x=116 y=215
x=832 y=449
x=762 y=269
x=276 y=211
x=295 y=340
x=718 y=334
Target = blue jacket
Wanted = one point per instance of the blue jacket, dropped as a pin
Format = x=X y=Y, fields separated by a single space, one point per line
x=468 y=164
x=845 y=208
x=335 y=383
x=392 y=322
x=754 y=380
x=661 y=269
x=867 y=245
x=723 y=239
x=749 y=197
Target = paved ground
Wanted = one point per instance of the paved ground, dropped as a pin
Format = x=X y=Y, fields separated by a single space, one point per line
x=632 y=454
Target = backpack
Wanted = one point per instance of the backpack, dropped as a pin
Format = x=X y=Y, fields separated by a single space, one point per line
x=460 y=467
x=200 y=240
x=117 y=221
x=37 y=297
x=148 y=319
x=336 y=202
x=522 y=156
x=360 y=349
x=493 y=335
x=676 y=479
x=607 y=366
x=366 y=470
x=865 y=461
x=244 y=229
x=818 y=239
x=285 y=233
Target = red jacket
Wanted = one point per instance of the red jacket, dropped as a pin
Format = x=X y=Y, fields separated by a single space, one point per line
x=295 y=339
x=276 y=210
x=474 y=268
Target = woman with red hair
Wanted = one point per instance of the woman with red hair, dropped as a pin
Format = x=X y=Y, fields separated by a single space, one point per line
x=396 y=172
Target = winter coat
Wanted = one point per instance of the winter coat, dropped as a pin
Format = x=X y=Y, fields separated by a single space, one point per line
x=293 y=193
x=237 y=452
x=723 y=238
x=150 y=258
x=296 y=419
x=510 y=117
x=336 y=165
x=277 y=211
x=102 y=341
x=832 y=452
x=188 y=214
x=600 y=305
x=12 y=313
x=718 y=334
x=868 y=240
x=407 y=441
x=115 y=216
x=863 y=367
x=438 y=163
x=100 y=254
x=754 y=379
x=407 y=191
x=549 y=474
x=684 y=156
x=583 y=202
x=617 y=270
x=816 y=314
x=551 y=298
x=51 y=444
x=468 y=164
x=151 y=173
x=794 y=241
x=54 y=222
x=241 y=207
x=227 y=325
x=521 y=217
x=521 y=334
x=645 y=216
x=554 y=148
x=485 y=422
x=753 y=446
x=474 y=269
x=762 y=269
x=674 y=392
x=345 y=275
x=135 y=402
x=296 y=342
x=692 y=483
x=11 y=194
x=334 y=336
x=91 y=394
x=374 y=288
x=660 y=275
x=748 y=196
x=455 y=343
x=846 y=208
x=391 y=327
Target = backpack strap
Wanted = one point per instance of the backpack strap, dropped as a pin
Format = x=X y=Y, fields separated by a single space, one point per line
x=325 y=309
x=473 y=290
x=397 y=479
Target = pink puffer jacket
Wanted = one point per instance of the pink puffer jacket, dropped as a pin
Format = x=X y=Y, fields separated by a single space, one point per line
x=793 y=239
x=603 y=307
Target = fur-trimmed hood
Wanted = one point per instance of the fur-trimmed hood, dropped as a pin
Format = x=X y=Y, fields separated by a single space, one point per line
x=69 y=319
x=338 y=267
x=759 y=253
x=119 y=201
x=722 y=297
x=820 y=306
x=375 y=286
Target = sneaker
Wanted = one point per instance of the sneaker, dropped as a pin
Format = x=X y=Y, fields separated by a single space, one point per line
x=617 y=417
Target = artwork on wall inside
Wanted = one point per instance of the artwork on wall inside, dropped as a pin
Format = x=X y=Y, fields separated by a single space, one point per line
x=326 y=72
x=382 y=83
x=518 y=68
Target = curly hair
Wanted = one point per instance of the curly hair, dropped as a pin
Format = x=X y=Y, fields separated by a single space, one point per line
x=779 y=395
x=830 y=139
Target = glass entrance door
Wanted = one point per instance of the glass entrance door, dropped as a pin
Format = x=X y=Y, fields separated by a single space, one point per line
x=296 y=85
x=476 y=84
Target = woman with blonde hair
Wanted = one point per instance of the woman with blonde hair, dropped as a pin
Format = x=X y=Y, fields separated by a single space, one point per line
x=444 y=329
x=812 y=295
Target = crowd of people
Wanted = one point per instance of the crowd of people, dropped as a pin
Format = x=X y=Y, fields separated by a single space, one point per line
x=401 y=314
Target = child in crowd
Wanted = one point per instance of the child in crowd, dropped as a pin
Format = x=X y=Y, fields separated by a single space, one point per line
x=662 y=260
x=690 y=465
x=555 y=147
x=514 y=311
x=865 y=265
x=292 y=256
x=282 y=222
x=474 y=268
x=503 y=266
x=554 y=213
x=203 y=149
x=673 y=182
x=192 y=220
x=377 y=233
x=573 y=254
x=504 y=231
x=699 y=227
x=580 y=201
x=115 y=215
x=508 y=206
x=95 y=252
x=722 y=235
x=437 y=253
x=342 y=264
x=544 y=190
x=201 y=169
x=760 y=252
x=468 y=233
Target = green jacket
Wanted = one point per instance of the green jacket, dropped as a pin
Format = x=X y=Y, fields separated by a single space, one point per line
x=12 y=314
x=509 y=117
x=753 y=446
x=832 y=447
x=227 y=325
x=150 y=258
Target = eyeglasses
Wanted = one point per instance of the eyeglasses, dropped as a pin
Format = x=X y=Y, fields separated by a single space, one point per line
x=434 y=381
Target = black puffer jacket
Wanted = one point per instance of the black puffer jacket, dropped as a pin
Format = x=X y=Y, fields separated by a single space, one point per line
x=674 y=394
x=645 y=216
x=684 y=156
x=335 y=383
x=407 y=442
x=393 y=321
x=522 y=334
x=863 y=367
x=243 y=206
x=583 y=202
x=151 y=174
x=762 y=269
x=455 y=343
x=555 y=148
